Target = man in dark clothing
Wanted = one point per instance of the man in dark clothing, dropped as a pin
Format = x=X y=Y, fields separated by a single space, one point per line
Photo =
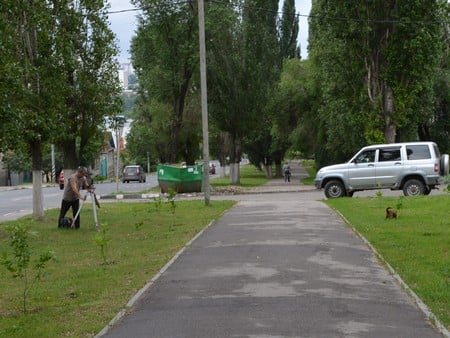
x=72 y=195
x=287 y=172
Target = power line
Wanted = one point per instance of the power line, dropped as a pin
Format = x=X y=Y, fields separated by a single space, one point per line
x=308 y=16
x=124 y=11
x=389 y=21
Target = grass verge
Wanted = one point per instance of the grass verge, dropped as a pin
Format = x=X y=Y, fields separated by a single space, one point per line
x=416 y=245
x=85 y=288
x=250 y=177
x=310 y=167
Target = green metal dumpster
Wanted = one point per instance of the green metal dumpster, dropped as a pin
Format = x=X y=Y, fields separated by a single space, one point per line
x=181 y=180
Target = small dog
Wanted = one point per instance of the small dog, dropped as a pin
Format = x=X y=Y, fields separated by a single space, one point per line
x=390 y=213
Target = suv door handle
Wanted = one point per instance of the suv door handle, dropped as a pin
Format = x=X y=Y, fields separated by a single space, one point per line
x=371 y=165
x=398 y=163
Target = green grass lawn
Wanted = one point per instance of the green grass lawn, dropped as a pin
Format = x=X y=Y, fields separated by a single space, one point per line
x=416 y=245
x=82 y=290
x=250 y=177
x=310 y=167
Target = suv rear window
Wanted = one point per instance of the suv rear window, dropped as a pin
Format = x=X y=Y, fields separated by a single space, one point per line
x=436 y=151
x=418 y=152
x=390 y=154
x=131 y=170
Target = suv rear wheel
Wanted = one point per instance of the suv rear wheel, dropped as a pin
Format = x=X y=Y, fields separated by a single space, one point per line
x=413 y=187
x=334 y=188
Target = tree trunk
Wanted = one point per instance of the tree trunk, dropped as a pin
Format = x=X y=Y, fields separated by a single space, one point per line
x=235 y=174
x=178 y=109
x=38 y=206
x=175 y=126
x=390 y=128
x=70 y=154
x=36 y=159
x=235 y=159
x=223 y=150
x=222 y=171
x=268 y=169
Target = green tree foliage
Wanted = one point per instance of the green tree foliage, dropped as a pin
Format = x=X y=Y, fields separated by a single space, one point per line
x=375 y=63
x=92 y=88
x=243 y=66
x=60 y=80
x=165 y=57
x=132 y=81
x=149 y=133
x=36 y=94
x=289 y=32
x=438 y=127
x=10 y=86
x=264 y=71
x=244 y=62
x=128 y=104
x=15 y=161
x=226 y=78
x=403 y=59
x=295 y=105
x=267 y=143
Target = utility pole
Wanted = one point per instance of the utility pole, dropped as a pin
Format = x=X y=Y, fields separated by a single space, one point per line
x=204 y=100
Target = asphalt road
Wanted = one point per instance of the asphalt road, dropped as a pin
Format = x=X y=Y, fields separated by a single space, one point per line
x=276 y=265
x=18 y=201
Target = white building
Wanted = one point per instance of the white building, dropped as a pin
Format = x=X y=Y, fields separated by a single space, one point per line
x=125 y=70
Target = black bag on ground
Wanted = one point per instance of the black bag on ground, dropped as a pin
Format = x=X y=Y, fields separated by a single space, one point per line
x=65 y=222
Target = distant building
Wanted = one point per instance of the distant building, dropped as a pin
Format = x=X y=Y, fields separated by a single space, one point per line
x=125 y=70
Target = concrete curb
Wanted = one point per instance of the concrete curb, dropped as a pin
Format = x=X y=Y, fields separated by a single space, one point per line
x=200 y=194
x=128 y=196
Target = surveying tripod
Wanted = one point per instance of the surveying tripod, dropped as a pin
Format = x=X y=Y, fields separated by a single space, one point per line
x=95 y=205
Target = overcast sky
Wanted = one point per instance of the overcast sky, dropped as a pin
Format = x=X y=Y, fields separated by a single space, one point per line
x=124 y=25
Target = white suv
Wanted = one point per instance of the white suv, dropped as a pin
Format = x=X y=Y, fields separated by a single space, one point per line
x=415 y=167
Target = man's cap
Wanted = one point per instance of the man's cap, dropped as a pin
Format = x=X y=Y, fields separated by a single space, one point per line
x=83 y=170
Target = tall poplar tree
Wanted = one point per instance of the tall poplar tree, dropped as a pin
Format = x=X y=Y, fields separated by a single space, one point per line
x=289 y=32
x=243 y=66
x=87 y=52
x=165 y=57
x=376 y=62
x=35 y=104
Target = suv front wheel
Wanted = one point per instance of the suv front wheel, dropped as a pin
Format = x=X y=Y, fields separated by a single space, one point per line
x=413 y=187
x=334 y=189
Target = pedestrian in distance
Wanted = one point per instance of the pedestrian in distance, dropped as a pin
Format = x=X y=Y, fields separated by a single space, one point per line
x=71 y=197
x=287 y=172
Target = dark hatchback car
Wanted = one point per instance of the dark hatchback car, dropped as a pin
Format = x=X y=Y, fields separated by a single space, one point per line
x=133 y=173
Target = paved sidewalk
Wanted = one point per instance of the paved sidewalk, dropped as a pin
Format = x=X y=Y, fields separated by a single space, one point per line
x=278 y=264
